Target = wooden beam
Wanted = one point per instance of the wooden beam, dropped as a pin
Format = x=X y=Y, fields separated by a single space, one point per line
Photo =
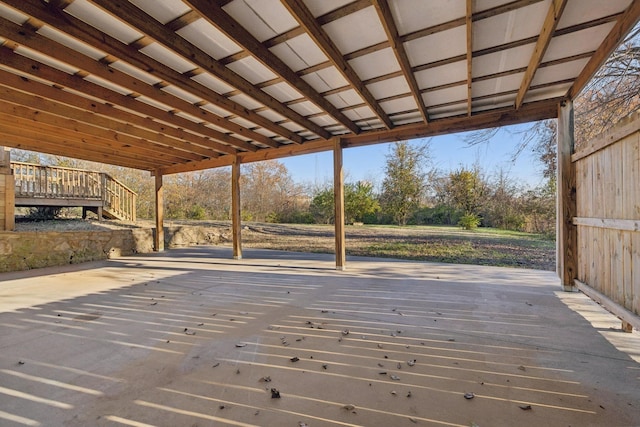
x=469 y=25
x=145 y=140
x=129 y=53
x=159 y=236
x=103 y=137
x=566 y=234
x=133 y=123
x=29 y=38
x=62 y=147
x=220 y=19
x=338 y=193
x=506 y=116
x=304 y=17
x=132 y=15
x=236 y=209
x=617 y=34
x=386 y=17
x=546 y=33
x=77 y=146
x=77 y=82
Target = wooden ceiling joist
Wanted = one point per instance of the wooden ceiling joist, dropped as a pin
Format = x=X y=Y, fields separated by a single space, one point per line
x=74 y=27
x=627 y=21
x=306 y=20
x=16 y=89
x=127 y=13
x=23 y=36
x=221 y=20
x=386 y=17
x=137 y=83
x=548 y=27
x=76 y=82
x=71 y=143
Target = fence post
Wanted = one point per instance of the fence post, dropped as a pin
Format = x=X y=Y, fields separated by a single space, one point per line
x=566 y=233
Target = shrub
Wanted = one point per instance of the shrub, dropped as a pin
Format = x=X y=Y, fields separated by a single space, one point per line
x=469 y=221
x=197 y=212
x=44 y=213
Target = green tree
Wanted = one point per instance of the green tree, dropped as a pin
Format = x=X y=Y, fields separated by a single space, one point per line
x=359 y=202
x=404 y=181
x=322 y=206
x=466 y=190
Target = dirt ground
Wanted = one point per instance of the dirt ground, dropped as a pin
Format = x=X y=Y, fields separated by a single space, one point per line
x=446 y=244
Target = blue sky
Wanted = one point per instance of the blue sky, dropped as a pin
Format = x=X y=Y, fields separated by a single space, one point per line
x=448 y=152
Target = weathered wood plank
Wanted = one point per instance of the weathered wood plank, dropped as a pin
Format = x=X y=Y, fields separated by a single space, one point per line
x=608 y=304
x=338 y=192
x=567 y=232
x=236 y=213
x=613 y=224
x=159 y=236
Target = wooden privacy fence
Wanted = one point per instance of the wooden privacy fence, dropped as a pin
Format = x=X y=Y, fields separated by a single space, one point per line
x=608 y=219
x=37 y=185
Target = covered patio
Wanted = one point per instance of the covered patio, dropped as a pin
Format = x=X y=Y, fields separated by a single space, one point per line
x=218 y=336
x=192 y=338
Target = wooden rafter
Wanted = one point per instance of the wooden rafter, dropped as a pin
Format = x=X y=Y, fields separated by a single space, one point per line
x=548 y=27
x=386 y=17
x=31 y=39
x=77 y=82
x=119 y=120
x=121 y=103
x=629 y=18
x=225 y=23
x=469 y=25
x=144 y=139
x=68 y=141
x=128 y=13
x=40 y=119
x=130 y=53
x=304 y=17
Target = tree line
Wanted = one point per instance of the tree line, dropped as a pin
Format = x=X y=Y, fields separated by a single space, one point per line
x=412 y=191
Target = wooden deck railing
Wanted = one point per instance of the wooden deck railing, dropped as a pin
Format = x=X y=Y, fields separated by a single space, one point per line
x=54 y=183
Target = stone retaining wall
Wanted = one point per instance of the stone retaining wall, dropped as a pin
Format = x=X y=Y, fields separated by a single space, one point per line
x=37 y=249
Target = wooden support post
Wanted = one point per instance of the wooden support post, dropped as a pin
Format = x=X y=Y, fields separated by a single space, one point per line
x=159 y=238
x=338 y=192
x=7 y=191
x=567 y=232
x=236 y=219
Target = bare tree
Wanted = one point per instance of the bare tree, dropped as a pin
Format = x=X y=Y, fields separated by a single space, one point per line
x=613 y=93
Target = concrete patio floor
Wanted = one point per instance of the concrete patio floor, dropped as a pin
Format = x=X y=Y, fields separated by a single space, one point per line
x=190 y=337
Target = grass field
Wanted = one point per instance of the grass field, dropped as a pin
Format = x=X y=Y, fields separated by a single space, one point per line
x=425 y=243
x=483 y=246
